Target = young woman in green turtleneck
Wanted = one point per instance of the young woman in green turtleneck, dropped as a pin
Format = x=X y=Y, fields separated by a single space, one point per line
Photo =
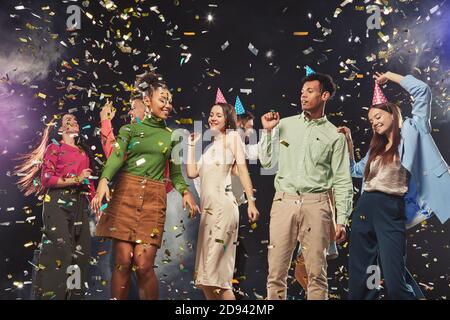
x=141 y=150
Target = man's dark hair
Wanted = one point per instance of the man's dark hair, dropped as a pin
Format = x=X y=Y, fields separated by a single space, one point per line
x=246 y=116
x=326 y=82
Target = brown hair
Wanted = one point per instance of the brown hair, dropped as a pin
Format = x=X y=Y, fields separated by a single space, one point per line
x=246 y=117
x=379 y=142
x=230 y=115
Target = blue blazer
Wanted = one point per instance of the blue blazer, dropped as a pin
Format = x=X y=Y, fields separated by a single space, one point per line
x=429 y=184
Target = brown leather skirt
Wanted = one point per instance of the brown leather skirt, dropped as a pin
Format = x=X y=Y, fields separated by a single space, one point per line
x=136 y=212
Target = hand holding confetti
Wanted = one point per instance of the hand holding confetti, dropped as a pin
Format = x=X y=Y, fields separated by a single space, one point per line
x=108 y=111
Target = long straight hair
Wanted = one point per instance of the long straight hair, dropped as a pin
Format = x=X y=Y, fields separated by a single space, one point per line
x=29 y=169
x=379 y=141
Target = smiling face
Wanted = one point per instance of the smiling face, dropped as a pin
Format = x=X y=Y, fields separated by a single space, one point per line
x=69 y=124
x=216 y=119
x=160 y=103
x=311 y=98
x=381 y=121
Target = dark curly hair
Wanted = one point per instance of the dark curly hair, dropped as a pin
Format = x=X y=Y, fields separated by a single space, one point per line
x=148 y=82
x=325 y=80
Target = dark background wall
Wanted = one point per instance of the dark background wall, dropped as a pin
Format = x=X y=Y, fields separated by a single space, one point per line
x=35 y=44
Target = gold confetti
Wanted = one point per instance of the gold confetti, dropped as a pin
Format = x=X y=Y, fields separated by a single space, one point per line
x=186 y=121
x=155 y=233
x=28 y=244
x=284 y=143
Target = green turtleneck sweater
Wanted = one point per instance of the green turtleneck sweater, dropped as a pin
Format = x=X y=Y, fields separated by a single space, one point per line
x=142 y=149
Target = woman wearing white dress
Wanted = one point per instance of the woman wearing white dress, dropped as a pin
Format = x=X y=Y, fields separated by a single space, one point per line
x=217 y=238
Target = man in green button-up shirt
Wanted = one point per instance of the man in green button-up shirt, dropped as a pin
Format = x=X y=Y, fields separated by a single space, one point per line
x=313 y=165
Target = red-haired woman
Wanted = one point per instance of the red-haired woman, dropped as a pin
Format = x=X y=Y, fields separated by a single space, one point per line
x=60 y=168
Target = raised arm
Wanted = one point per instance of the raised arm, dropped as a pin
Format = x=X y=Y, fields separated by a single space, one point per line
x=107 y=137
x=421 y=92
x=191 y=165
x=268 y=146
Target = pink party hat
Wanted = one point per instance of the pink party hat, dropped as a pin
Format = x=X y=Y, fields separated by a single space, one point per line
x=219 y=97
x=378 y=96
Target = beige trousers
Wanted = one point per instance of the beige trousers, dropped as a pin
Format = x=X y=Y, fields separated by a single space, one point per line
x=307 y=218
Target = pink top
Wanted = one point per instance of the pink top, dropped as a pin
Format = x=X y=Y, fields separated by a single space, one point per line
x=108 y=140
x=63 y=161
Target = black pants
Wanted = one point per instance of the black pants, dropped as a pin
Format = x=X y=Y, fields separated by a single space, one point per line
x=65 y=246
x=378 y=234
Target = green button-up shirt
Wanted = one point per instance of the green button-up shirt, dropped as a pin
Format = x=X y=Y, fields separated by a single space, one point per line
x=143 y=150
x=311 y=157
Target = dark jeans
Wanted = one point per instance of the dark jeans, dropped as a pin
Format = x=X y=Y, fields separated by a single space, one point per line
x=378 y=234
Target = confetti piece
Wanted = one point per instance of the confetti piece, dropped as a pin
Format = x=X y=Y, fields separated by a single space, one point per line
x=308 y=51
x=301 y=33
x=284 y=143
x=434 y=9
x=252 y=49
x=186 y=121
x=140 y=162
x=225 y=45
x=28 y=244
x=155 y=233
x=337 y=12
